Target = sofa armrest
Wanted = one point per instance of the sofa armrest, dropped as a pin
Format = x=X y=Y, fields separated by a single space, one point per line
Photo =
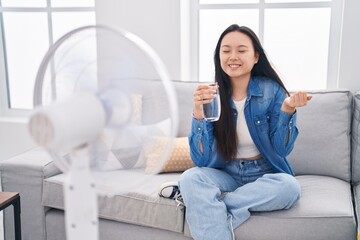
x=25 y=173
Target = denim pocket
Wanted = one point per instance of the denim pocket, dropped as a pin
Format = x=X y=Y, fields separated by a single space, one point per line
x=262 y=122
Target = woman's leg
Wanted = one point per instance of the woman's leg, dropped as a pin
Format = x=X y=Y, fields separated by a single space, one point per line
x=270 y=192
x=206 y=215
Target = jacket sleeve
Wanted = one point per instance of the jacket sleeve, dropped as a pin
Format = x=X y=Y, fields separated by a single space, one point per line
x=283 y=130
x=201 y=132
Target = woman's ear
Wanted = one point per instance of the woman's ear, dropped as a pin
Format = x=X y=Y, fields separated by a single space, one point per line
x=256 y=57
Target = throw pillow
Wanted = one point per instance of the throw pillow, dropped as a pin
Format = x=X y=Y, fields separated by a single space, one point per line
x=178 y=161
x=128 y=143
x=136 y=100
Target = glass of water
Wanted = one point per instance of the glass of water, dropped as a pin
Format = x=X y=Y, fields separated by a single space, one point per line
x=212 y=110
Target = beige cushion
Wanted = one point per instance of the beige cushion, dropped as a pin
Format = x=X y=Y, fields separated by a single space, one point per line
x=178 y=161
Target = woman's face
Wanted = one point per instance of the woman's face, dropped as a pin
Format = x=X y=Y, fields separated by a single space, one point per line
x=237 y=55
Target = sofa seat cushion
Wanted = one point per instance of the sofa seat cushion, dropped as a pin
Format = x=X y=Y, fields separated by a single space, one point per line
x=109 y=230
x=324 y=212
x=129 y=196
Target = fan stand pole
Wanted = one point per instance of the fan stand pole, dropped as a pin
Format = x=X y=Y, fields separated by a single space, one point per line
x=81 y=208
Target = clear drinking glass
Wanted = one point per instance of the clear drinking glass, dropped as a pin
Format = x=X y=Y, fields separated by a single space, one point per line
x=212 y=110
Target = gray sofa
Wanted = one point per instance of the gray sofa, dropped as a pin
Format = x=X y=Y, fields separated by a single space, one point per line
x=326 y=160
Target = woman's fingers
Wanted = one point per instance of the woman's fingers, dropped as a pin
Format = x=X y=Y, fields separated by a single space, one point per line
x=204 y=94
x=203 y=98
x=298 y=99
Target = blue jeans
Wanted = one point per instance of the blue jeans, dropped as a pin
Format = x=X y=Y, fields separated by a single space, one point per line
x=218 y=201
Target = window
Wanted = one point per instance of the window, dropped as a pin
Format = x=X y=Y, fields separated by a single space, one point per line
x=27 y=30
x=301 y=37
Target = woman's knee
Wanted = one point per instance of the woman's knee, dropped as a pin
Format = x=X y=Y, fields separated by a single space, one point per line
x=288 y=188
x=189 y=181
x=190 y=175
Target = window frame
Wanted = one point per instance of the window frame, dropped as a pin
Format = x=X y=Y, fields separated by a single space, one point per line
x=190 y=35
x=5 y=105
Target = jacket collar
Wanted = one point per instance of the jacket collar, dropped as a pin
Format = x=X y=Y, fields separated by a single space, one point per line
x=254 y=88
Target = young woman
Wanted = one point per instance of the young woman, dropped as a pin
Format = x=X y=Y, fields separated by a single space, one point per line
x=241 y=158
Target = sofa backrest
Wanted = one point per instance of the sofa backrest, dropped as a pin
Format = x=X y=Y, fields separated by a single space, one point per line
x=155 y=105
x=323 y=146
x=185 y=94
x=324 y=142
x=356 y=141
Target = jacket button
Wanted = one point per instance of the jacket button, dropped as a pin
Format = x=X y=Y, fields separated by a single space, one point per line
x=258 y=122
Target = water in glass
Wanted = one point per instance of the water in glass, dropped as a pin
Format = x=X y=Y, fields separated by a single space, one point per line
x=212 y=110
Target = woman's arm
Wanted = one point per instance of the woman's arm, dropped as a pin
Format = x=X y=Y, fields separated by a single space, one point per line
x=283 y=121
x=201 y=139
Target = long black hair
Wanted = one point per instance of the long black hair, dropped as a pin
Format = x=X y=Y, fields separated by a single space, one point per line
x=225 y=129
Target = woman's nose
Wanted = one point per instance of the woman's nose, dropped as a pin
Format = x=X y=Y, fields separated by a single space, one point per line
x=234 y=56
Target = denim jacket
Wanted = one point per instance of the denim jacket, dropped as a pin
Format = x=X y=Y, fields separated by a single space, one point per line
x=272 y=130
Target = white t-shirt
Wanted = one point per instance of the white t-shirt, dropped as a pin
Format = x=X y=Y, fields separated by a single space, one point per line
x=246 y=147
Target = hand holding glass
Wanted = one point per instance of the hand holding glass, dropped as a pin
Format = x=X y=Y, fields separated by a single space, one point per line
x=212 y=110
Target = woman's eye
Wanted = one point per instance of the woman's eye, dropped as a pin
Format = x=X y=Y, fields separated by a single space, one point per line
x=241 y=51
x=226 y=51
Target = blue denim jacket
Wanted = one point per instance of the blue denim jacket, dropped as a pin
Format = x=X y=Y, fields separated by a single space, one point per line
x=272 y=130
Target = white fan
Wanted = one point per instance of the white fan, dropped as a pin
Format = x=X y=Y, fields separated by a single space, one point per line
x=97 y=88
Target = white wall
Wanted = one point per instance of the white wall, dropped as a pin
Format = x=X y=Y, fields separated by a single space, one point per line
x=14 y=138
x=155 y=21
x=158 y=23
x=349 y=73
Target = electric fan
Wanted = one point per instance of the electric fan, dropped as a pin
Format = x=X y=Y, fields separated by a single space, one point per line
x=100 y=91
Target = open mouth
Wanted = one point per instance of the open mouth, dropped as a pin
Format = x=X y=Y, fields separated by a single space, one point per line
x=234 y=66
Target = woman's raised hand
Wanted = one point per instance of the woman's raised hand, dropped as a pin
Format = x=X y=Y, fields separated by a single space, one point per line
x=298 y=99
